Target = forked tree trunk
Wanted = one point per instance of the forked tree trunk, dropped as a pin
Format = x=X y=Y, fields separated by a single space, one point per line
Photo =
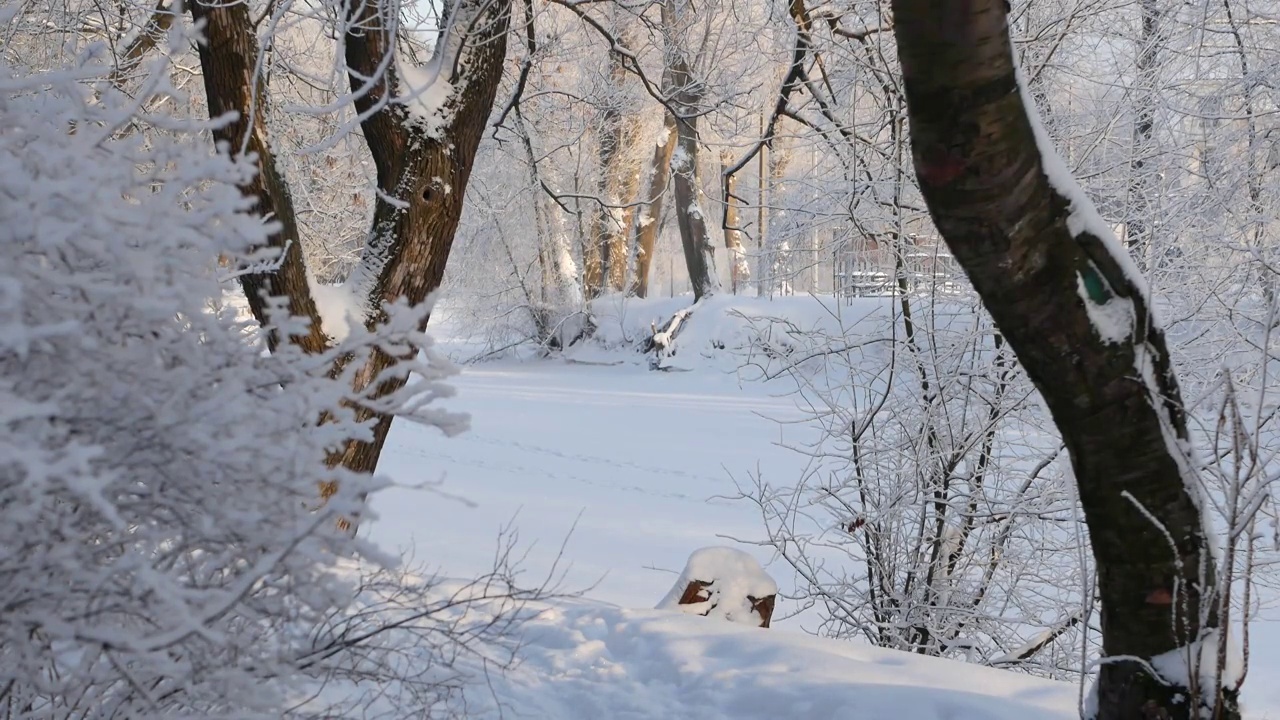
x=422 y=167
x=227 y=59
x=1069 y=303
x=650 y=215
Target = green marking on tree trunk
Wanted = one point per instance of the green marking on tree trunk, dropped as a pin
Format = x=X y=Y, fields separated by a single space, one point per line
x=1097 y=288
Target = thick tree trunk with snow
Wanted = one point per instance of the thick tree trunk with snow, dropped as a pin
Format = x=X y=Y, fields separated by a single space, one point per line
x=422 y=152
x=647 y=226
x=699 y=252
x=686 y=93
x=1072 y=307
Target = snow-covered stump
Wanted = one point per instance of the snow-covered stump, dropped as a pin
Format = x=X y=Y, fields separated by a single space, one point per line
x=725 y=583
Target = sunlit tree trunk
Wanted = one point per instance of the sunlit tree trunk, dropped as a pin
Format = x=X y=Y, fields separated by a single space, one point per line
x=617 y=133
x=650 y=215
x=686 y=94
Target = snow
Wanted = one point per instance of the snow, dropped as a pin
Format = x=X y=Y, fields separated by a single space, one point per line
x=1113 y=320
x=619 y=473
x=1176 y=666
x=733 y=577
x=590 y=660
x=426 y=91
x=338 y=307
x=680 y=160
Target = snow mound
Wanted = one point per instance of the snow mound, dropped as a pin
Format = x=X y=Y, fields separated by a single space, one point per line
x=732 y=579
x=723 y=332
x=585 y=660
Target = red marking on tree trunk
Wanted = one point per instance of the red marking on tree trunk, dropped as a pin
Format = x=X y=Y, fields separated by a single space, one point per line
x=940 y=168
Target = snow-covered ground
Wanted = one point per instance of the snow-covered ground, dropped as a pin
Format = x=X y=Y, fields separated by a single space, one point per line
x=587 y=660
x=633 y=467
x=636 y=469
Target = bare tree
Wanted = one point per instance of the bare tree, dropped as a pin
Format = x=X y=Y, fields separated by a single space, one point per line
x=686 y=92
x=1138 y=228
x=421 y=125
x=1075 y=311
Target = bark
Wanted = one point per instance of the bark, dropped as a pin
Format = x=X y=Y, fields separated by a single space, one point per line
x=408 y=247
x=762 y=216
x=686 y=95
x=647 y=226
x=739 y=270
x=1138 y=228
x=605 y=263
x=155 y=27
x=1117 y=403
x=234 y=85
x=699 y=252
x=422 y=172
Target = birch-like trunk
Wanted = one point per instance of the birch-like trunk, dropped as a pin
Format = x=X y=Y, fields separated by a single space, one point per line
x=649 y=217
x=739 y=269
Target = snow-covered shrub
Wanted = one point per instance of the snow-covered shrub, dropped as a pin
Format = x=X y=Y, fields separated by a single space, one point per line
x=161 y=549
x=933 y=514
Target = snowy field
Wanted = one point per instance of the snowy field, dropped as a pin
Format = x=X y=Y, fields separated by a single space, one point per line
x=630 y=471
x=631 y=462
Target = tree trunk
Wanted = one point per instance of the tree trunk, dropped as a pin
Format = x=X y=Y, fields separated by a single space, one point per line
x=422 y=170
x=1071 y=306
x=762 y=217
x=699 y=252
x=739 y=269
x=227 y=59
x=1138 y=227
x=617 y=133
x=647 y=226
x=686 y=95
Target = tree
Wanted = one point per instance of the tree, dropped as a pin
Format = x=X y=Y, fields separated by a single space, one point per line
x=617 y=138
x=422 y=126
x=685 y=92
x=650 y=220
x=1076 y=312
x=932 y=515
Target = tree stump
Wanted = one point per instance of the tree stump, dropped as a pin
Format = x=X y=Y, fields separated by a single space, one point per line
x=726 y=583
